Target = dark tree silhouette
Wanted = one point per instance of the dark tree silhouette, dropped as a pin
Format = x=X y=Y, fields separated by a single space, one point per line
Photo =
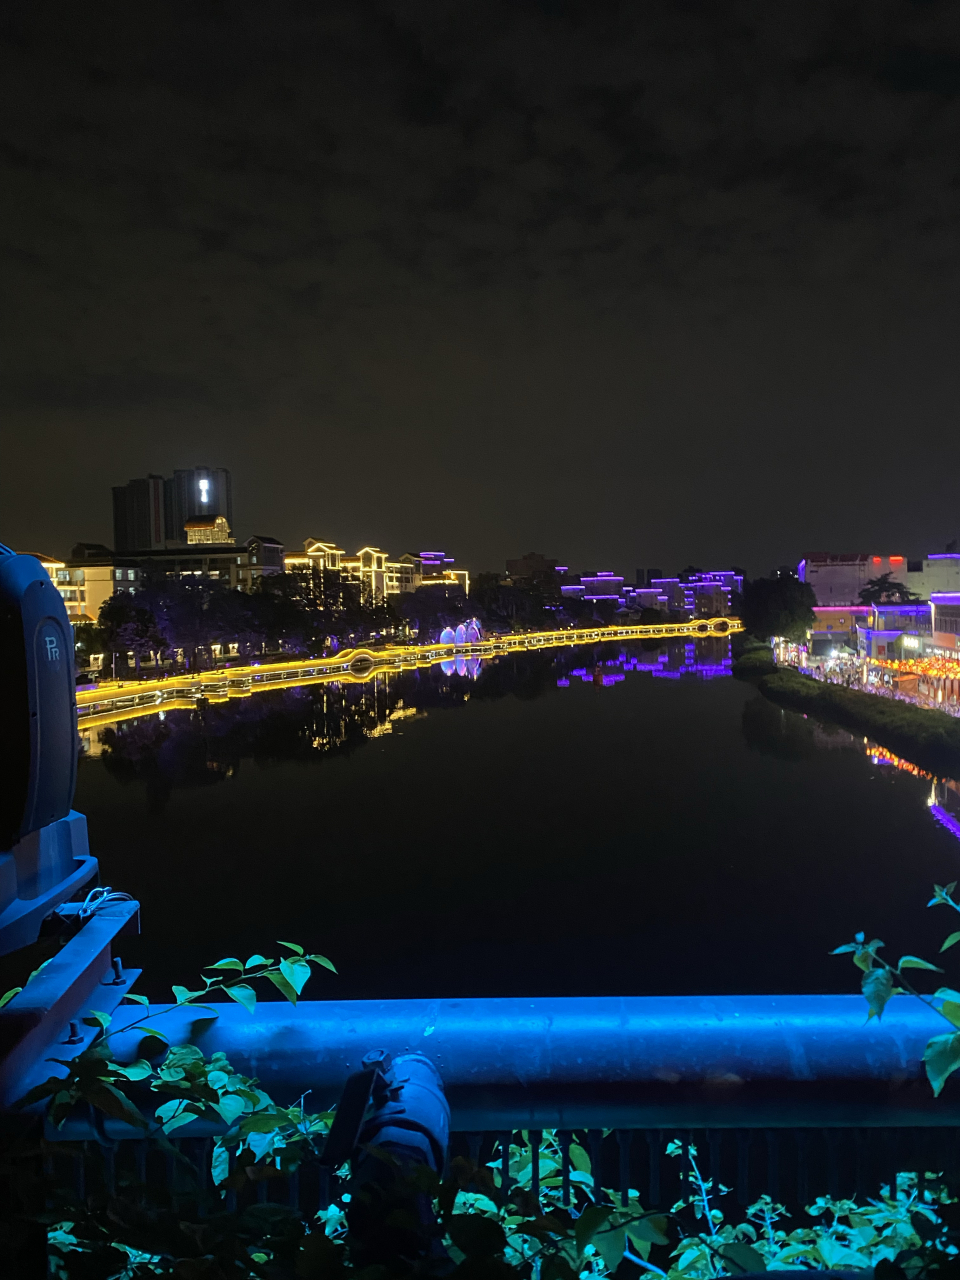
x=886 y=590
x=778 y=607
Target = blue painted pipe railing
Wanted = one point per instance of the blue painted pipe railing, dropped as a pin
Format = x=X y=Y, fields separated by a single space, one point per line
x=601 y=1062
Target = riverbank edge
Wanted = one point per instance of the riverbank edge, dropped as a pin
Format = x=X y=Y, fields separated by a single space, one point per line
x=929 y=739
x=757 y=661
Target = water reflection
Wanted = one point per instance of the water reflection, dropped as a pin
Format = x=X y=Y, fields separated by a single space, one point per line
x=608 y=818
x=205 y=745
x=788 y=735
x=701 y=659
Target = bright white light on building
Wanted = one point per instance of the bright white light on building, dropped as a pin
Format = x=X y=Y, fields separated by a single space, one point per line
x=204 y=490
x=911 y=642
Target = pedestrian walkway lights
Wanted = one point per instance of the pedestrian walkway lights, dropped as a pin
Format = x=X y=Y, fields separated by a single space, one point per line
x=44 y=855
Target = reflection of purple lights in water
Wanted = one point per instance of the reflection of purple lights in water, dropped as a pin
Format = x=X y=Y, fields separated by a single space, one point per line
x=946 y=819
x=684 y=665
x=461 y=666
x=606 y=672
x=703 y=670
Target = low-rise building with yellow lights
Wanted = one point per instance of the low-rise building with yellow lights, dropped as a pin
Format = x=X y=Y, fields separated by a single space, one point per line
x=91 y=575
x=835 y=626
x=368 y=568
x=315 y=555
x=378 y=575
x=206 y=530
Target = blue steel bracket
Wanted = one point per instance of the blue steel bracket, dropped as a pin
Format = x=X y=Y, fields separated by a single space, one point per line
x=45 y=1020
x=58 y=853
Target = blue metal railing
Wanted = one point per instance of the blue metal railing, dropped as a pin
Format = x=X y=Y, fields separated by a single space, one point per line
x=790 y=1095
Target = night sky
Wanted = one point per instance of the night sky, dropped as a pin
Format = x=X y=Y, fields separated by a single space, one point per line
x=631 y=284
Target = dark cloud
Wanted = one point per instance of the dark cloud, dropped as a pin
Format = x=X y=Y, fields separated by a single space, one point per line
x=515 y=251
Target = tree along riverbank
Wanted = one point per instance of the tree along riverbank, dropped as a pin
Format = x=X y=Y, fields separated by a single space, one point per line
x=757 y=661
x=929 y=739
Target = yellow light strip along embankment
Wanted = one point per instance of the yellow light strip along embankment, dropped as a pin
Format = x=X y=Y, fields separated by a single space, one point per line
x=115 y=700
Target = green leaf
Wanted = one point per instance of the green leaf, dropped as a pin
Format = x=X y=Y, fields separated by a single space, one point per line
x=476 y=1235
x=877 y=987
x=282 y=985
x=257 y=961
x=229 y=963
x=108 y=1099
x=8 y=995
x=97 y=1019
x=158 y=1035
x=134 y=1071
x=230 y=1107
x=847 y=946
x=39 y=969
x=611 y=1245
x=589 y=1223
x=941 y=1058
x=327 y=964
x=291 y=946
x=951 y=941
x=653 y=1230
x=220 y=1163
x=243 y=995
x=951 y=1010
x=946 y=993
x=914 y=962
x=50 y=1086
x=865 y=953
x=744 y=1258
x=145 y=1000
x=261 y=1122
x=296 y=973
x=175 y=1113
x=183 y=995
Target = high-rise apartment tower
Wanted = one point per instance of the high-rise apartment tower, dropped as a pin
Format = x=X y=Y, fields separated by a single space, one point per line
x=150 y=514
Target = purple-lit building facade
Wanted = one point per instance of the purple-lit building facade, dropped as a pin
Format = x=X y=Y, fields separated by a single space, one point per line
x=701 y=593
x=697 y=594
x=838 y=578
x=945 y=624
x=922 y=627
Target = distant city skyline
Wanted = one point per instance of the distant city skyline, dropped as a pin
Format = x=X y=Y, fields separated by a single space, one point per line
x=56 y=535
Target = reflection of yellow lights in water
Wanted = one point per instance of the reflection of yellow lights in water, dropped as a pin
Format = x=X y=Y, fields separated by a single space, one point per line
x=114 y=701
x=880 y=755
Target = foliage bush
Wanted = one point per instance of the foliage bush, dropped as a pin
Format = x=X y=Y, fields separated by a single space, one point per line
x=930 y=739
x=757 y=661
x=882 y=981
x=137 y=1232
x=909 y=1232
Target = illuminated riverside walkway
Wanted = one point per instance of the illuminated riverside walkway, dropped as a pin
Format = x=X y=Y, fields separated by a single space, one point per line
x=119 y=700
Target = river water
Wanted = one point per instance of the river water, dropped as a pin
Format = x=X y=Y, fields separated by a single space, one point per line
x=612 y=820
